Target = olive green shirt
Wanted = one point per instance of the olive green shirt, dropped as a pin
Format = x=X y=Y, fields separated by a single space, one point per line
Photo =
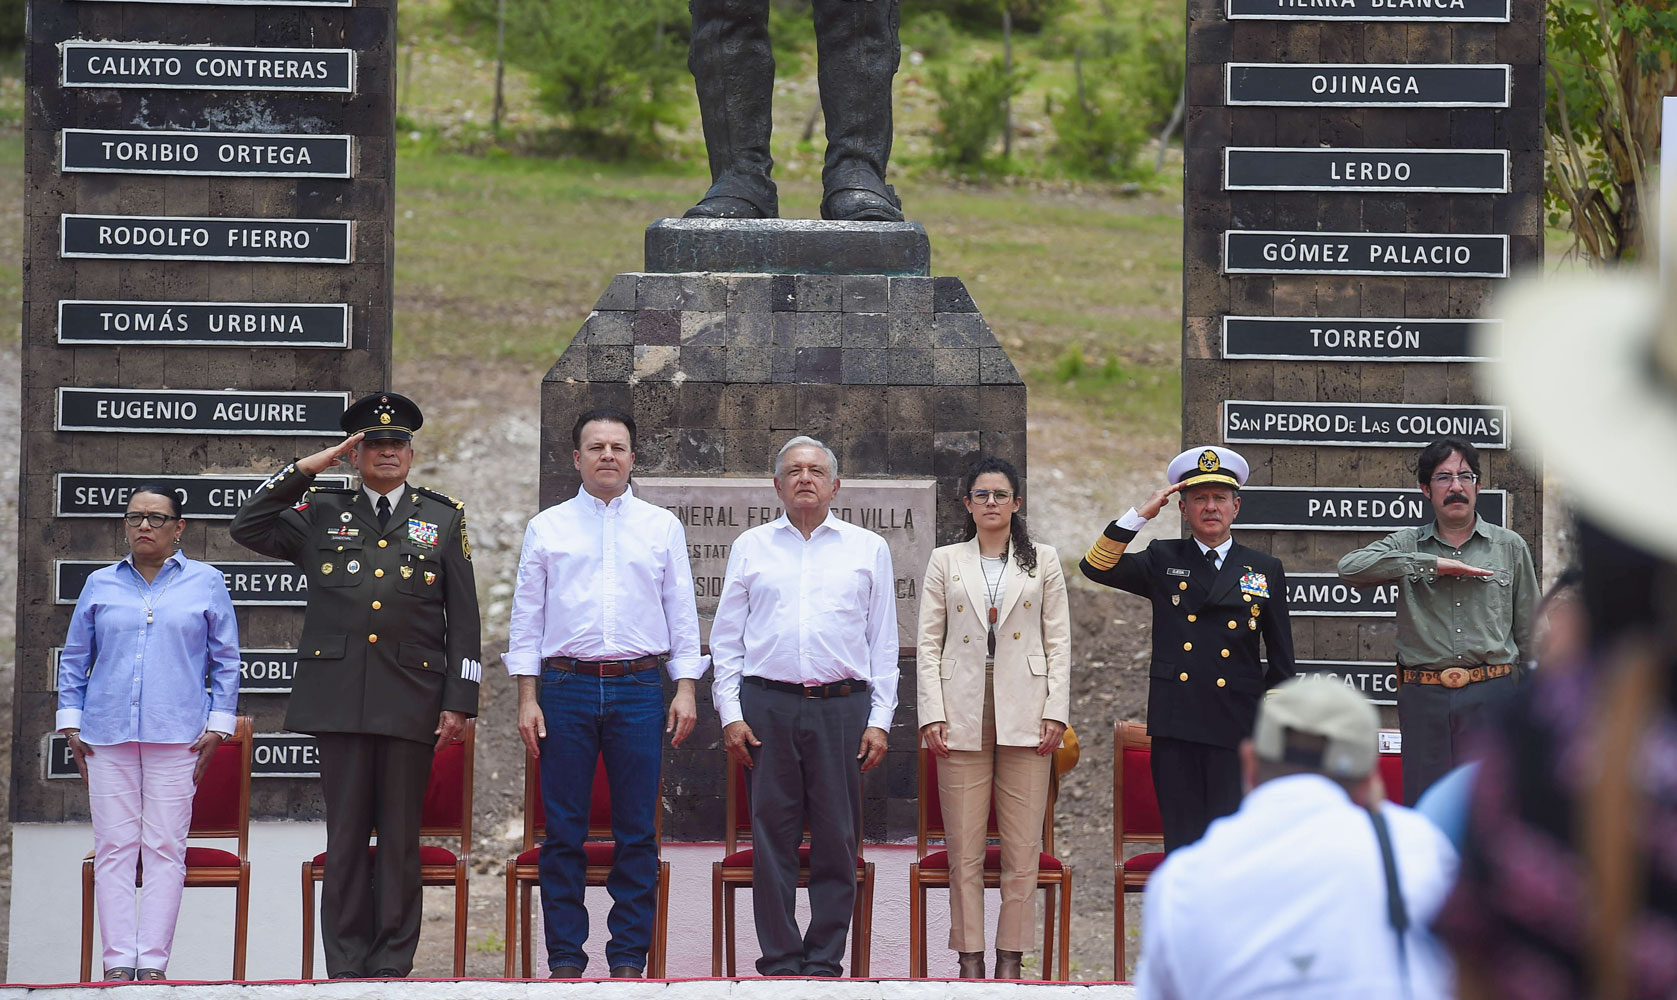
x=1447 y=621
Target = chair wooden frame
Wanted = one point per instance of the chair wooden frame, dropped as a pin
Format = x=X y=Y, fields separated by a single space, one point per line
x=222 y=876
x=456 y=874
x=727 y=880
x=1126 y=735
x=522 y=878
x=1056 y=885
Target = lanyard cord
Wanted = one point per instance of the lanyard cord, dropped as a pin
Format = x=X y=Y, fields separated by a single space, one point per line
x=990 y=592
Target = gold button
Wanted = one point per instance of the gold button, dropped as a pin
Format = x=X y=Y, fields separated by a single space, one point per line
x=382 y=543
x=377 y=605
x=1193 y=618
x=340 y=548
x=1016 y=635
x=1233 y=623
x=424 y=663
x=960 y=607
x=372 y=638
x=1187 y=647
x=317 y=652
x=966 y=638
x=1182 y=586
x=1182 y=676
x=1221 y=682
x=1247 y=598
x=1027 y=604
x=1225 y=654
x=378 y=572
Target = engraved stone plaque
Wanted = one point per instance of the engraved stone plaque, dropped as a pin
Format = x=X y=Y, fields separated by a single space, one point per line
x=206 y=67
x=249 y=583
x=1325 y=595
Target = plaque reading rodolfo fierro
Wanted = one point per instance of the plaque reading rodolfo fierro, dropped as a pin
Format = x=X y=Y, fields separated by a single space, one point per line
x=290 y=241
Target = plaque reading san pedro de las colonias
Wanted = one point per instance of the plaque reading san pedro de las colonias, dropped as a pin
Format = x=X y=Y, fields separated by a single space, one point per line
x=1367 y=425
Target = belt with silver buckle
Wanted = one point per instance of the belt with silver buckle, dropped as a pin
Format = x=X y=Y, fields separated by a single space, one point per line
x=1456 y=677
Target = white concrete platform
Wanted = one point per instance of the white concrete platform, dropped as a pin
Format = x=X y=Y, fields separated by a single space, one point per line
x=504 y=989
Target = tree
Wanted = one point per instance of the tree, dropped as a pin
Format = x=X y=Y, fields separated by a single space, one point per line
x=1610 y=62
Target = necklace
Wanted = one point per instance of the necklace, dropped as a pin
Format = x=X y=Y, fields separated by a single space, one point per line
x=148 y=597
x=990 y=589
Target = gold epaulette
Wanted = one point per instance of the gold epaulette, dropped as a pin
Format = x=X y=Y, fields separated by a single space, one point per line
x=1103 y=555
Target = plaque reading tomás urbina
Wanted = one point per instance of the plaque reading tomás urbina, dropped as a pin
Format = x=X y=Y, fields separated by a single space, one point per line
x=1369 y=85
x=1376 y=679
x=1330 y=338
x=218 y=154
x=1456 y=171
x=1349 y=508
x=1367 y=425
x=249 y=584
x=294 y=241
x=200 y=411
x=206 y=67
x=207 y=324
x=715 y=511
x=1250 y=251
x=1368 y=10
x=1324 y=595
x=212 y=496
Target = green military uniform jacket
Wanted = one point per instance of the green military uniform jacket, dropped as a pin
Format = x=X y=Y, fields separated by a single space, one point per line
x=391 y=635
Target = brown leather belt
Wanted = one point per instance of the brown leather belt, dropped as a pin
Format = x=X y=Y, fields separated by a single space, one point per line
x=602 y=668
x=833 y=690
x=1457 y=677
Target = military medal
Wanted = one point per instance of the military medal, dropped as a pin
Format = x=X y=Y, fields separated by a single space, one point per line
x=1176 y=598
x=354 y=566
x=407 y=572
x=422 y=532
x=326 y=569
x=430 y=578
x=345 y=517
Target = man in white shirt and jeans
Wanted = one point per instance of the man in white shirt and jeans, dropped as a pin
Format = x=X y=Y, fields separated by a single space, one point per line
x=1291 y=895
x=805 y=650
x=604 y=599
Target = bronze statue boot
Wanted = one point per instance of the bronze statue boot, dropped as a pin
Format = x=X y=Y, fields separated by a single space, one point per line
x=722 y=206
x=972 y=964
x=1007 y=964
x=861 y=205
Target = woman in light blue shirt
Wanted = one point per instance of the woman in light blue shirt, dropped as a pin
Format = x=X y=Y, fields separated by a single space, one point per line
x=149 y=635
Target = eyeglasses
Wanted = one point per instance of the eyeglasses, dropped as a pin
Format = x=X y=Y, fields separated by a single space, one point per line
x=1445 y=478
x=985 y=496
x=150 y=520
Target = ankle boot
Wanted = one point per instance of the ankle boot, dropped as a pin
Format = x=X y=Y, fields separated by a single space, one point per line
x=1007 y=963
x=972 y=964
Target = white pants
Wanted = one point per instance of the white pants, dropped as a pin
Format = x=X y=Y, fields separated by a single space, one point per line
x=141 y=798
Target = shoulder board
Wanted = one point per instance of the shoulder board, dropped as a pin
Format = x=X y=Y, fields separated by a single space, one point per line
x=439 y=496
x=332 y=489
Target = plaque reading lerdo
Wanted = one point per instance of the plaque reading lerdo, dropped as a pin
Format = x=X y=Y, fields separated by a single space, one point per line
x=206 y=67
x=294 y=241
x=715 y=511
x=1259 y=251
x=1329 y=338
x=1369 y=425
x=215 y=154
x=1456 y=171
x=1356 y=85
x=106 y=494
x=205 y=324
x=249 y=583
x=1348 y=508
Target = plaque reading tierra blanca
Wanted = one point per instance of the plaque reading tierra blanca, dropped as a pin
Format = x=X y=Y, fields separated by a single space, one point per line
x=1368 y=425
x=206 y=67
x=206 y=324
x=1257 y=251
x=1330 y=338
x=1450 y=171
x=221 y=154
x=1368 y=85
x=200 y=411
x=293 y=241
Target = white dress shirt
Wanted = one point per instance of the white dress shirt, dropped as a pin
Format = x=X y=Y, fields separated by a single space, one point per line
x=807 y=611
x=604 y=581
x=1221 y=550
x=393 y=496
x=1287 y=898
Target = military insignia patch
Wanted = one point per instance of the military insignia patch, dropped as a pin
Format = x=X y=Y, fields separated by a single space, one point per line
x=1176 y=599
x=430 y=578
x=354 y=566
x=300 y=505
x=326 y=569
x=345 y=516
x=407 y=572
x=1254 y=584
x=1209 y=461
x=422 y=532
x=339 y=534
x=1177 y=571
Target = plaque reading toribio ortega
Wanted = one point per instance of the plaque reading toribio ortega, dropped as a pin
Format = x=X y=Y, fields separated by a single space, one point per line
x=1324 y=595
x=151 y=66
x=1376 y=679
x=250 y=584
x=1355 y=85
x=1369 y=425
x=1456 y=171
x=188 y=411
x=715 y=511
x=261 y=671
x=1368 y=10
x=106 y=494
x=1348 y=508
x=295 y=241
x=205 y=324
x=1421 y=254
x=272 y=755
x=215 y=154
x=1327 y=338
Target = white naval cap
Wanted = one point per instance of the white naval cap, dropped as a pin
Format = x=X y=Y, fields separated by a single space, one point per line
x=1208 y=464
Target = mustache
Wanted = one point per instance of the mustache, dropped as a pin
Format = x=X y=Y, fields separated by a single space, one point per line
x=1455 y=498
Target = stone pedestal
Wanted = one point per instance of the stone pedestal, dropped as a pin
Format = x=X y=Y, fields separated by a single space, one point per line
x=897 y=372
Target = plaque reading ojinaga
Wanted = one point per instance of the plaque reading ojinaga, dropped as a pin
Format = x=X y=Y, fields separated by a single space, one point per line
x=1325 y=595
x=1349 y=508
x=1375 y=679
x=200 y=411
x=205 y=324
x=272 y=755
x=219 y=154
x=1452 y=255
x=1327 y=338
x=1455 y=171
x=1369 y=85
x=1368 y=10
x=261 y=671
x=293 y=241
x=715 y=511
x=211 y=496
x=249 y=584
x=1369 y=425
x=206 y=67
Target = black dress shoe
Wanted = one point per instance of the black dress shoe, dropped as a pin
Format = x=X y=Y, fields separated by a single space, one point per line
x=388 y=974
x=566 y=972
x=723 y=206
x=346 y=975
x=626 y=972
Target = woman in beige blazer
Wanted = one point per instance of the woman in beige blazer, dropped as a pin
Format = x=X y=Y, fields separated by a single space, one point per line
x=995 y=693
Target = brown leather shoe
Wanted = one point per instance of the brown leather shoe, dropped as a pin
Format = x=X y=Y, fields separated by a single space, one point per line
x=1007 y=964
x=972 y=964
x=626 y=972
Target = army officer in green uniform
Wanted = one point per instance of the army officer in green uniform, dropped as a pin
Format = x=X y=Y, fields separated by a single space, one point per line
x=388 y=665
x=1213 y=599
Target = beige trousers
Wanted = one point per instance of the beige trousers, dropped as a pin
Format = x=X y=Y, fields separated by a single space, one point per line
x=965 y=779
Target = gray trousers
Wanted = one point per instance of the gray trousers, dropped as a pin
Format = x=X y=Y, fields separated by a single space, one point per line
x=806 y=772
x=1439 y=725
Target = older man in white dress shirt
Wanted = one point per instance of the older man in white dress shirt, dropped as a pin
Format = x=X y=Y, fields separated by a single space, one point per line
x=604 y=599
x=805 y=648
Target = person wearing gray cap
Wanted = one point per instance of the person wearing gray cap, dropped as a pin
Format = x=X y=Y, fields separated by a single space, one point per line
x=1314 y=888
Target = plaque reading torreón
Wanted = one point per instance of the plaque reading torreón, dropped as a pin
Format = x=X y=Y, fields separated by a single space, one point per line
x=272 y=755
x=1348 y=508
x=221 y=154
x=206 y=67
x=1327 y=338
x=1376 y=680
x=1325 y=595
x=207 y=324
x=249 y=584
x=1368 y=10
x=200 y=411
x=1366 y=85
x=293 y=241
x=1454 y=171
x=211 y=496
x=1368 y=425
x=261 y=671
x=1262 y=251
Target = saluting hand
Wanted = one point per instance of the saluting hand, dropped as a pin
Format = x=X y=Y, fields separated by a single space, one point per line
x=873 y=748
x=79 y=751
x=449 y=727
x=684 y=712
x=1455 y=567
x=936 y=735
x=1155 y=503
x=325 y=458
x=735 y=737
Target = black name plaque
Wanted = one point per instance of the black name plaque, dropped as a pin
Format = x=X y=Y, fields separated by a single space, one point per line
x=1368 y=10
x=261 y=671
x=249 y=584
x=200 y=411
x=1369 y=85
x=1368 y=425
x=272 y=755
x=1375 y=679
x=219 y=154
x=1450 y=171
x=1325 y=595
x=294 y=241
x=1348 y=508
x=205 y=324
x=209 y=496
x=1328 y=338
x=1262 y=251
x=206 y=67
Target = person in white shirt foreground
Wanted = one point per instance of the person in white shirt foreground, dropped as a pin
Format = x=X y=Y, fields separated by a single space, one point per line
x=805 y=651
x=1291 y=895
x=604 y=600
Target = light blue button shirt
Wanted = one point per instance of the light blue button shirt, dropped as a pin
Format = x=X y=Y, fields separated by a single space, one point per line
x=124 y=680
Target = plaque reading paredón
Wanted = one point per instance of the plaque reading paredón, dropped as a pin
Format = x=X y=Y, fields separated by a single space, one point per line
x=1454 y=171
x=1367 y=425
x=152 y=66
x=249 y=584
x=1349 y=508
x=216 y=154
x=211 y=496
x=205 y=324
x=200 y=411
x=1258 y=251
x=1329 y=338
x=132 y=237
x=1369 y=85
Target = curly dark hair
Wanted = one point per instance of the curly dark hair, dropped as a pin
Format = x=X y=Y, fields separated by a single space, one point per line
x=1023 y=551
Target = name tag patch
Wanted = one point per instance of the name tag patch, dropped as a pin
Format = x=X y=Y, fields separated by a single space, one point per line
x=1255 y=584
x=422 y=532
x=1174 y=571
x=341 y=533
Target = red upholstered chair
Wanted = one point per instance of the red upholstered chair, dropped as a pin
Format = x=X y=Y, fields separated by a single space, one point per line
x=733 y=872
x=446 y=812
x=1390 y=764
x=931 y=871
x=220 y=810
x=524 y=872
x=1135 y=820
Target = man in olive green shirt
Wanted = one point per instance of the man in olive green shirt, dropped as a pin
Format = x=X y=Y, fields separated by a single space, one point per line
x=1466 y=594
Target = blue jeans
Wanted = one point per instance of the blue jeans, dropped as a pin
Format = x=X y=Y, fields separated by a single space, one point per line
x=622 y=719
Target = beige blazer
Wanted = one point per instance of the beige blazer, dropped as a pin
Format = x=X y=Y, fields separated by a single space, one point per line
x=1033 y=647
